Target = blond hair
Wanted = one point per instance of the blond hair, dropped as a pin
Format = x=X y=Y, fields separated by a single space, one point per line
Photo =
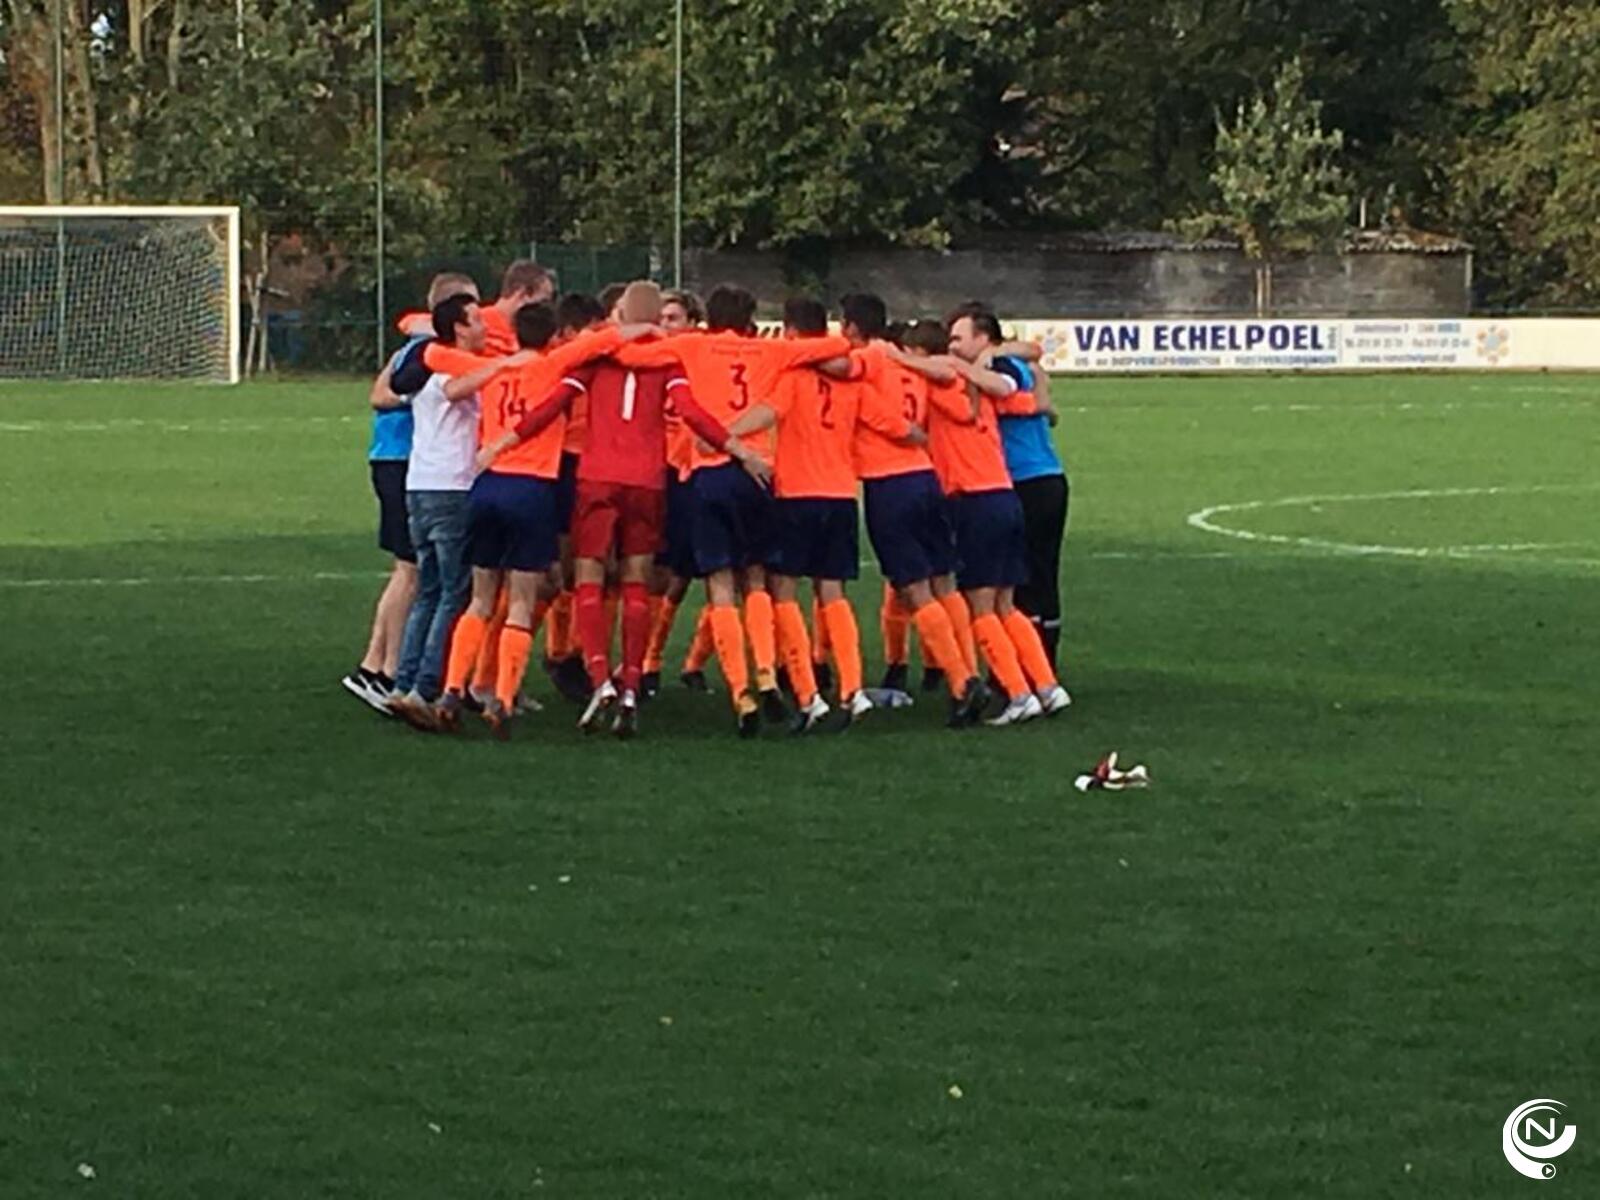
x=640 y=302
x=450 y=283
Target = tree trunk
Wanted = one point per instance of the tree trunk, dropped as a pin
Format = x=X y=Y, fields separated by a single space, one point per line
x=180 y=13
x=83 y=113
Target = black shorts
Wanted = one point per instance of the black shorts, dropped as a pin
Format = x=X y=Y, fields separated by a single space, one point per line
x=818 y=539
x=394 y=531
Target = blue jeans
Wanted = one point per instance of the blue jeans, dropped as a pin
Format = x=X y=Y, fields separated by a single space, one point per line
x=438 y=524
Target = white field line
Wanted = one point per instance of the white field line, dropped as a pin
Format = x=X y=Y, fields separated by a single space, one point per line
x=162 y=425
x=1204 y=520
x=134 y=581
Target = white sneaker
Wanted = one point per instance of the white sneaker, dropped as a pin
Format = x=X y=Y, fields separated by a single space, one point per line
x=812 y=715
x=1023 y=708
x=599 y=705
x=1054 y=700
x=860 y=705
x=369 y=691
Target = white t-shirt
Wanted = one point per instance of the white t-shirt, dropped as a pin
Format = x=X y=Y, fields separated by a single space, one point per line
x=444 y=446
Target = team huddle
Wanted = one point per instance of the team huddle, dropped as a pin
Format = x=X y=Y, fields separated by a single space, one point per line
x=576 y=465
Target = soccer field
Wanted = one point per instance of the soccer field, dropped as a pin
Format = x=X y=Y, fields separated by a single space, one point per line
x=257 y=942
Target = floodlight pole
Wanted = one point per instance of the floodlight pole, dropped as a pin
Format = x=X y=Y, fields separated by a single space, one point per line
x=377 y=87
x=677 y=148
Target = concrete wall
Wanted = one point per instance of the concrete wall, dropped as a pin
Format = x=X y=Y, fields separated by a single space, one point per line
x=1034 y=279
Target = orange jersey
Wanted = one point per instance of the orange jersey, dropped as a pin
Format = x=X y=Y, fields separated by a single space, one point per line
x=499 y=335
x=729 y=372
x=577 y=426
x=817 y=418
x=1018 y=404
x=966 y=448
x=509 y=397
x=889 y=390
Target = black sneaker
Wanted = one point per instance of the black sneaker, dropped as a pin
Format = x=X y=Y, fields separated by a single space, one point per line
x=774 y=707
x=695 y=681
x=969 y=708
x=749 y=718
x=824 y=673
x=572 y=681
x=650 y=685
x=784 y=685
x=896 y=677
x=933 y=679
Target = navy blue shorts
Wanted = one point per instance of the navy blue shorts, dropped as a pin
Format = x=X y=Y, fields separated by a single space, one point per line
x=567 y=491
x=677 y=555
x=990 y=540
x=734 y=520
x=818 y=539
x=909 y=527
x=511 y=522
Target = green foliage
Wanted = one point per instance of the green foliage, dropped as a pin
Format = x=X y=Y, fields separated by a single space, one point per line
x=1525 y=176
x=1279 y=187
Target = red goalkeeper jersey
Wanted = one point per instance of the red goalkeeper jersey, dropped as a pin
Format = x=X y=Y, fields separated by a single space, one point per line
x=626 y=442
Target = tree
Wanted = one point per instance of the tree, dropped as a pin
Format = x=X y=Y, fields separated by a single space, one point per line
x=1278 y=186
x=1526 y=186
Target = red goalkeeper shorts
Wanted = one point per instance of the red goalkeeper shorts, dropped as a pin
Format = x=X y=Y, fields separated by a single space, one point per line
x=616 y=516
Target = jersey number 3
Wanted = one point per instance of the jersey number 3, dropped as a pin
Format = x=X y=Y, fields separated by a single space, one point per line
x=741 y=385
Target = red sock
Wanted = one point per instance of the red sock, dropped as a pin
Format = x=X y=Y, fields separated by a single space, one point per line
x=635 y=633
x=589 y=615
x=613 y=604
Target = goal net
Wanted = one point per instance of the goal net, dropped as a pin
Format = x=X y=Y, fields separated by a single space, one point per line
x=119 y=293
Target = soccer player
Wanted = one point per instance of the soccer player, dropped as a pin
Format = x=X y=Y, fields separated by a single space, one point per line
x=990 y=542
x=512 y=506
x=388 y=453
x=1036 y=469
x=675 y=566
x=906 y=516
x=438 y=475
x=621 y=499
x=729 y=368
x=818 y=538
x=523 y=282
x=576 y=312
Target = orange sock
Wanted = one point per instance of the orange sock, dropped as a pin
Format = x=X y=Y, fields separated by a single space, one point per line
x=727 y=633
x=795 y=644
x=845 y=637
x=558 y=627
x=939 y=645
x=820 y=644
x=516 y=644
x=471 y=629
x=1030 y=650
x=704 y=643
x=896 y=620
x=761 y=630
x=961 y=619
x=488 y=663
x=660 y=630
x=1001 y=653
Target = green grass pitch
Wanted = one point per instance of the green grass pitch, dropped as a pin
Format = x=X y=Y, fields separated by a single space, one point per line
x=255 y=942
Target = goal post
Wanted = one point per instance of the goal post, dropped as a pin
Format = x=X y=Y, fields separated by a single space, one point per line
x=120 y=292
